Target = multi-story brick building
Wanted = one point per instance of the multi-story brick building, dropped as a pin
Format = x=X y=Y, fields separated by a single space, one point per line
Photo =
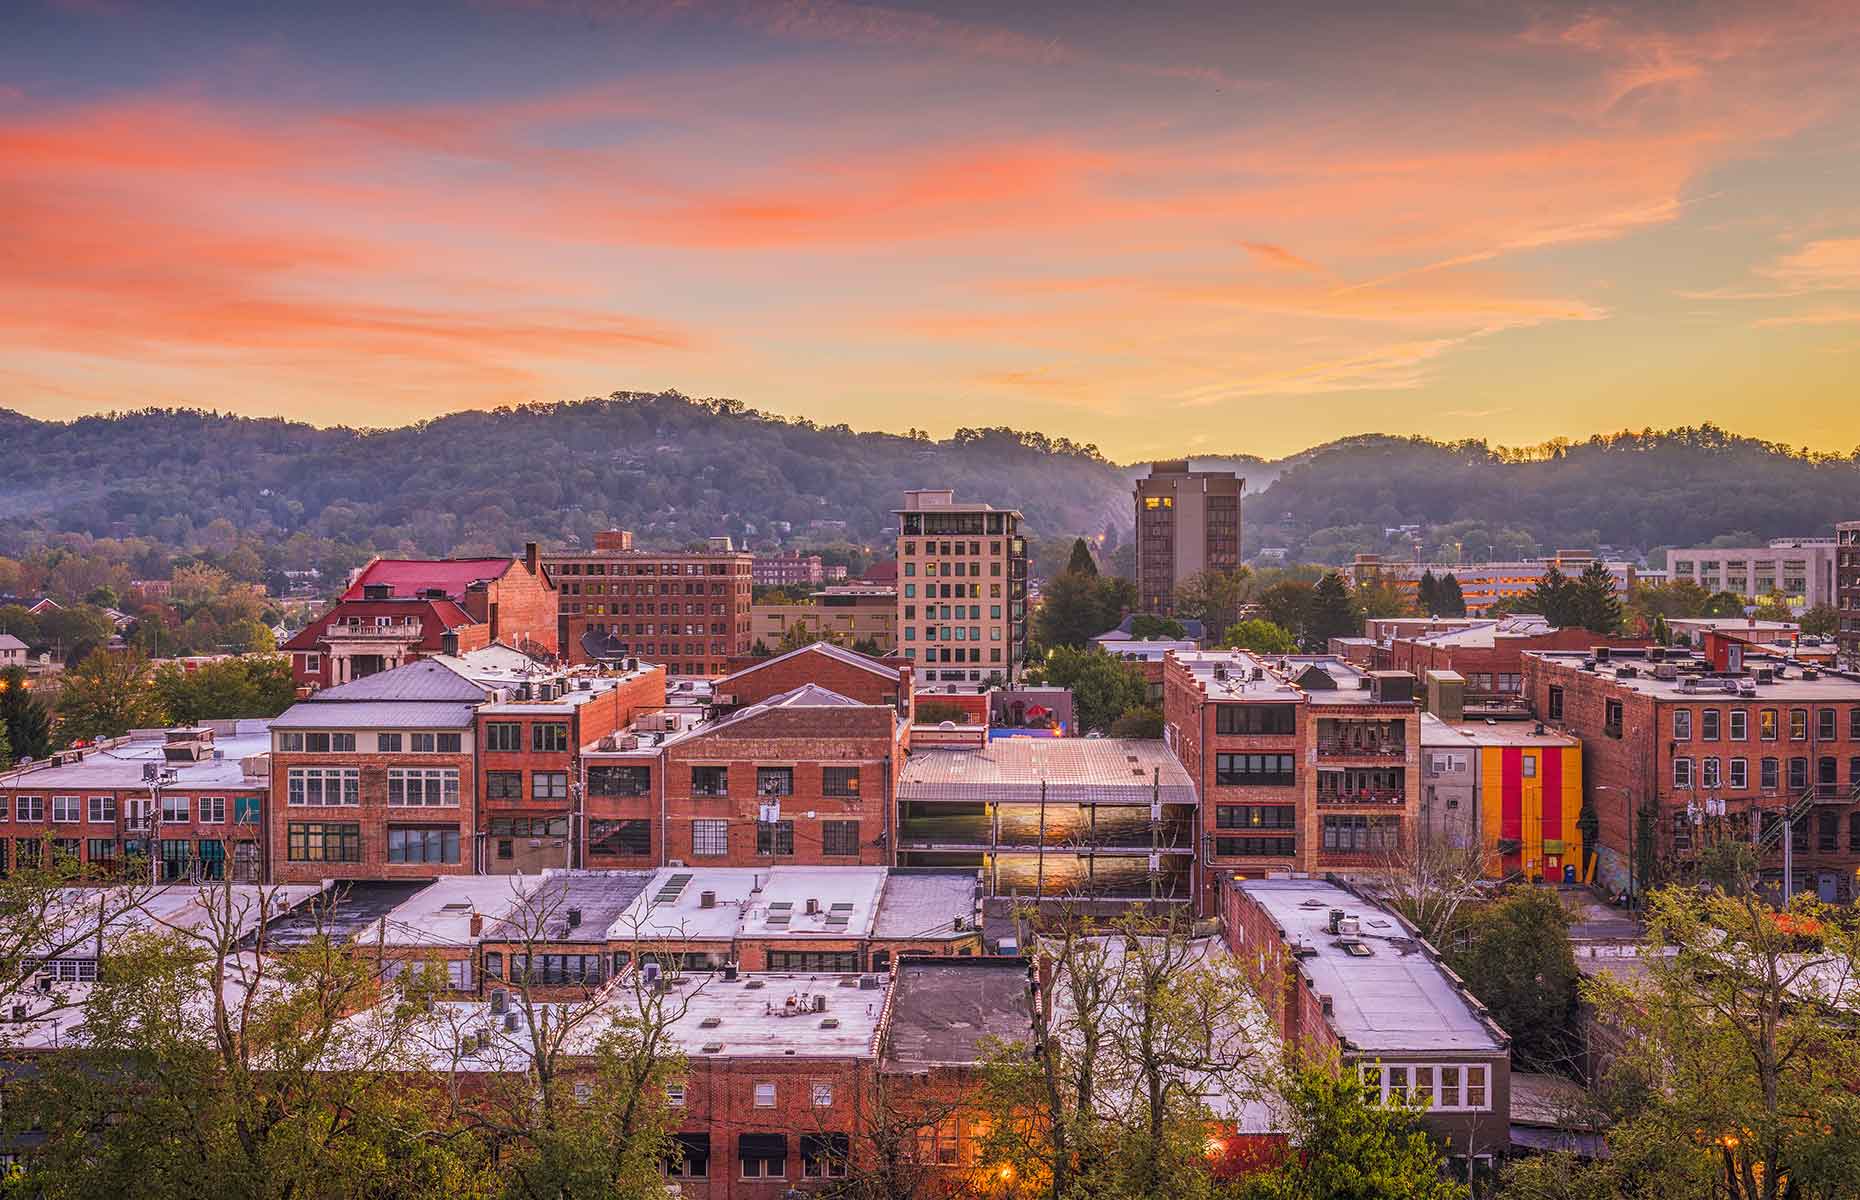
x=792 y=569
x=1300 y=763
x=374 y=778
x=838 y=614
x=399 y=610
x=1490 y=655
x=962 y=588
x=1187 y=522
x=1847 y=591
x=688 y=610
x=853 y=675
x=191 y=799
x=1679 y=751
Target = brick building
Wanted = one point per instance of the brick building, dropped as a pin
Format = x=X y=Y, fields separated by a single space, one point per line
x=971 y=554
x=1300 y=763
x=1678 y=751
x=398 y=610
x=1490 y=655
x=1187 y=522
x=792 y=569
x=839 y=614
x=193 y=799
x=688 y=610
x=1847 y=591
x=853 y=675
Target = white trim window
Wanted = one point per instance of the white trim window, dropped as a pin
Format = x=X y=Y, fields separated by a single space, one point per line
x=66 y=810
x=1682 y=772
x=1442 y=1087
x=323 y=787
x=423 y=787
x=213 y=810
x=102 y=810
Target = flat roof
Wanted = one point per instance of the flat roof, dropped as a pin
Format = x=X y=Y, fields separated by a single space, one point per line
x=749 y=902
x=120 y=765
x=1068 y=769
x=1397 y=998
x=440 y=913
x=952 y=1011
x=927 y=904
x=1829 y=684
x=1489 y=732
x=542 y=911
x=375 y=714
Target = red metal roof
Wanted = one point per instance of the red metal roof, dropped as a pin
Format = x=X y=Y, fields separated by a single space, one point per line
x=409 y=576
x=436 y=617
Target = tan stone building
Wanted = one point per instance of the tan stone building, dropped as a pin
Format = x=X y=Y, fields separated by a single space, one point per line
x=962 y=588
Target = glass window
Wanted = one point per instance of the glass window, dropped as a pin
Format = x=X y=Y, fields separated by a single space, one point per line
x=1682 y=772
x=1740 y=725
x=1740 y=773
x=437 y=844
x=629 y=837
x=619 y=781
x=1769 y=774
x=1682 y=724
x=839 y=837
x=775 y=837
x=1255 y=770
x=548 y=785
x=1766 y=724
x=774 y=781
x=423 y=787
x=1825 y=724
x=1798 y=724
x=548 y=736
x=68 y=810
x=30 y=808
x=102 y=809
x=325 y=786
x=710 y=781
x=1709 y=723
x=765 y=1095
x=323 y=841
x=503 y=737
x=710 y=839
x=841 y=782
x=213 y=810
x=1255 y=718
x=503 y=785
x=1798 y=774
x=1708 y=772
x=388 y=743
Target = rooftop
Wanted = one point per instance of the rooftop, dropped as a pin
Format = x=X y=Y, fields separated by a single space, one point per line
x=1487 y=633
x=1787 y=682
x=1394 y=998
x=316 y=713
x=839 y=654
x=950 y=1011
x=752 y=902
x=407 y=577
x=119 y=764
x=1489 y=732
x=423 y=679
x=921 y=904
x=440 y=913
x=1069 y=769
x=593 y=900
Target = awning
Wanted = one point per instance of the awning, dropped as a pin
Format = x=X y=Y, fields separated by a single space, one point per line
x=762 y=1145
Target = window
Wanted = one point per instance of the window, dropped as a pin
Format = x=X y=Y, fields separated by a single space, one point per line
x=323 y=786
x=1255 y=847
x=246 y=810
x=102 y=809
x=775 y=837
x=1682 y=772
x=388 y=743
x=1766 y=724
x=1255 y=718
x=1361 y=834
x=423 y=787
x=174 y=810
x=31 y=808
x=824 y=1155
x=817 y=961
x=823 y=1095
x=1770 y=774
x=1853 y=724
x=503 y=737
x=323 y=841
x=765 y=1095
x=503 y=785
x=1682 y=724
x=548 y=736
x=213 y=810
x=1255 y=816
x=559 y=969
x=1255 y=770
x=675 y=1095
x=1556 y=703
x=415 y=844
x=1798 y=724
x=763 y=1155
x=1825 y=724
x=1612 y=716
x=1709 y=722
x=548 y=785
x=1708 y=772
x=436 y=743
x=1441 y=1087
x=68 y=810
x=774 y=781
x=1798 y=774
x=1740 y=725
x=100 y=850
x=839 y=837
x=841 y=782
x=619 y=781
x=1527 y=766
x=1740 y=773
x=317 y=743
x=690 y=1155
x=1827 y=831
x=710 y=781
x=710 y=839
x=633 y=837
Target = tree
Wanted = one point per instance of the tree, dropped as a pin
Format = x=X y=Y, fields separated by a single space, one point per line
x=1428 y=593
x=1287 y=604
x=1144 y=628
x=1737 y=1056
x=1452 y=602
x=1553 y=597
x=1724 y=604
x=1074 y=607
x=797 y=635
x=6 y=749
x=1822 y=620
x=107 y=695
x=1659 y=631
x=1332 y=614
x=1351 y=1145
x=1144 y=722
x=1432 y=883
x=760 y=650
x=251 y=685
x=1517 y=960
x=1103 y=688
x=74 y=632
x=1598 y=608
x=1380 y=598
x=28 y=724
x=1081 y=562
x=1260 y=635
x=1213 y=597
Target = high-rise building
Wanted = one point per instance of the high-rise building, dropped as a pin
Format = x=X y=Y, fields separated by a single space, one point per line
x=1847 y=590
x=686 y=609
x=962 y=588
x=1187 y=522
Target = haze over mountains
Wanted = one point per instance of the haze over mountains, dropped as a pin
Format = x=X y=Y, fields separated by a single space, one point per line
x=677 y=469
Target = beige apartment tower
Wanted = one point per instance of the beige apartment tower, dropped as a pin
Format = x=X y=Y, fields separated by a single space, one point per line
x=1187 y=522
x=962 y=589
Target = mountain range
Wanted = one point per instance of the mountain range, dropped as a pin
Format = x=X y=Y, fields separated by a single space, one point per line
x=677 y=469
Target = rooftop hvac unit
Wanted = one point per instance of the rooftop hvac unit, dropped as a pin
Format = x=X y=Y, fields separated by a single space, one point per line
x=609 y=743
x=1765 y=675
x=1626 y=672
x=1811 y=673
x=813 y=907
x=1600 y=653
x=585 y=685
x=1350 y=927
x=500 y=1000
x=729 y=972
x=1665 y=670
x=707 y=899
x=510 y=1022
x=649 y=971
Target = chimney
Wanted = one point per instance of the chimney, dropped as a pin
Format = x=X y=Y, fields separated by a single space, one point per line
x=477 y=924
x=530 y=556
x=449 y=643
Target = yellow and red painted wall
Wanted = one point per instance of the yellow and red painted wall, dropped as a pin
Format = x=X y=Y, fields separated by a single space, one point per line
x=1529 y=798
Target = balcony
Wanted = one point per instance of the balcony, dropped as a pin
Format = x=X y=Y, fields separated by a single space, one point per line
x=1373 y=797
x=371 y=633
x=1362 y=739
x=1360 y=748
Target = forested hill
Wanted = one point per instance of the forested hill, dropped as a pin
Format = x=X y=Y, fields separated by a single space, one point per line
x=676 y=469
x=669 y=467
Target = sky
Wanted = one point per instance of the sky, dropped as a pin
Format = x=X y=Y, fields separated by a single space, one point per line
x=1166 y=228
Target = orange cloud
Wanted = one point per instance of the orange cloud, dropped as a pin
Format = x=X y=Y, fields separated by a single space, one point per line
x=1269 y=255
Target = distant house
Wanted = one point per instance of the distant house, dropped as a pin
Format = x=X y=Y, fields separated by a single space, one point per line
x=12 y=651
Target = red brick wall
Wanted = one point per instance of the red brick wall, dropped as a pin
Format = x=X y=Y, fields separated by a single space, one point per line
x=1286 y=993
x=194 y=830
x=373 y=815
x=772 y=677
x=522 y=607
x=621 y=604
x=1504 y=657
x=720 y=1100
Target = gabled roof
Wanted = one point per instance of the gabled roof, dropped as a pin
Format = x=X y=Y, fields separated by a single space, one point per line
x=407 y=577
x=423 y=679
x=808 y=695
x=9 y=642
x=851 y=658
x=438 y=617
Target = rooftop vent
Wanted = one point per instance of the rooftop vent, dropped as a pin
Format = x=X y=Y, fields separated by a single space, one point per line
x=713 y=1047
x=710 y=1022
x=829 y=1022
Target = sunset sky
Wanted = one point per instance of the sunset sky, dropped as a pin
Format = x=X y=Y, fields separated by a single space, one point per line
x=1166 y=228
